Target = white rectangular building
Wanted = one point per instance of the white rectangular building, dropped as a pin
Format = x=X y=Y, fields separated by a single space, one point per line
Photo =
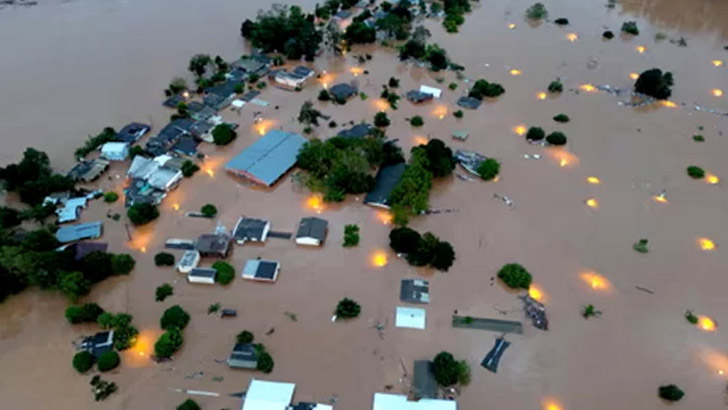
x=385 y=401
x=189 y=260
x=412 y=318
x=202 y=275
x=115 y=151
x=265 y=395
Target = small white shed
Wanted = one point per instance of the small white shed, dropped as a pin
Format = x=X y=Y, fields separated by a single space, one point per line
x=202 y=275
x=189 y=260
x=412 y=318
x=435 y=92
x=115 y=151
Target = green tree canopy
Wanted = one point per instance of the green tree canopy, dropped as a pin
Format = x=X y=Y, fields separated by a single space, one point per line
x=174 y=316
x=108 y=360
x=515 y=276
x=83 y=361
x=285 y=30
x=655 y=83
x=225 y=272
x=347 y=309
x=142 y=213
x=223 y=134
x=404 y=240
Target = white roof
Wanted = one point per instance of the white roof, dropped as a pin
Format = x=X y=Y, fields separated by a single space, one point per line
x=265 y=395
x=238 y=103
x=384 y=401
x=436 y=92
x=163 y=178
x=114 y=147
x=142 y=167
x=413 y=318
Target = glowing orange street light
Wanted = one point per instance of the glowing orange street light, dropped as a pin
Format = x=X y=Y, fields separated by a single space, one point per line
x=660 y=198
x=520 y=129
x=551 y=404
x=420 y=140
x=572 y=37
x=315 y=202
x=511 y=26
x=144 y=249
x=592 y=203
x=536 y=292
x=541 y=96
x=515 y=72
x=634 y=76
x=210 y=172
x=669 y=104
x=564 y=162
x=706 y=244
x=588 y=88
x=593 y=180
x=717 y=92
x=379 y=259
x=175 y=207
x=706 y=323
x=595 y=280
x=712 y=179
x=440 y=111
x=356 y=71
x=717 y=63
x=640 y=49
x=385 y=217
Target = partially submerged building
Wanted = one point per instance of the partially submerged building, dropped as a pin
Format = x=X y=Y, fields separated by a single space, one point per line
x=469 y=160
x=358 y=131
x=387 y=178
x=386 y=401
x=202 y=275
x=469 y=102
x=189 y=261
x=250 y=230
x=88 y=170
x=115 y=151
x=312 y=231
x=167 y=136
x=220 y=96
x=243 y=356
x=73 y=233
x=261 y=270
x=411 y=318
x=99 y=343
x=342 y=92
x=417 y=97
x=132 y=132
x=492 y=359
x=414 y=291
x=216 y=245
x=81 y=249
x=71 y=209
x=257 y=64
x=154 y=173
x=267 y=395
x=435 y=92
x=424 y=384
x=293 y=79
x=269 y=158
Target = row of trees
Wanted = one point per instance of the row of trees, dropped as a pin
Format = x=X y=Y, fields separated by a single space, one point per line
x=34 y=261
x=94 y=142
x=33 y=179
x=422 y=250
x=173 y=321
x=454 y=14
x=417 y=48
x=410 y=195
x=284 y=30
x=341 y=166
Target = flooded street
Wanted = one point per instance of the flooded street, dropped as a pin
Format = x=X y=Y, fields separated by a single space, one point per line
x=76 y=67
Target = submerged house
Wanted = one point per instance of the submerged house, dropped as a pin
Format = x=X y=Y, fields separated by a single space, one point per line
x=99 y=343
x=424 y=384
x=115 y=151
x=88 y=170
x=342 y=92
x=167 y=136
x=243 y=356
x=218 y=97
x=387 y=178
x=202 y=275
x=189 y=261
x=203 y=130
x=154 y=172
x=267 y=395
x=469 y=102
x=469 y=160
x=258 y=65
x=386 y=401
x=417 y=97
x=250 y=230
x=73 y=233
x=71 y=209
x=414 y=291
x=217 y=245
x=292 y=79
x=358 y=131
x=312 y=231
x=261 y=270
x=411 y=318
x=132 y=132
x=269 y=158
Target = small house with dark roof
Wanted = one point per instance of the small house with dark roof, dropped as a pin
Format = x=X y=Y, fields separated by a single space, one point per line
x=99 y=343
x=174 y=100
x=342 y=92
x=186 y=145
x=243 y=356
x=207 y=113
x=414 y=291
x=261 y=270
x=88 y=170
x=82 y=249
x=312 y=231
x=202 y=275
x=258 y=65
x=424 y=384
x=132 y=132
x=220 y=96
x=250 y=230
x=217 y=245
x=417 y=97
x=387 y=178
x=358 y=131
x=203 y=130
x=469 y=102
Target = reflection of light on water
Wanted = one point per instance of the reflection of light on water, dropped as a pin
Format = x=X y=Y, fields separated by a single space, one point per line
x=357 y=71
x=572 y=37
x=715 y=360
x=706 y=244
x=144 y=249
x=141 y=238
x=379 y=259
x=593 y=180
x=564 y=162
x=263 y=126
x=640 y=49
x=551 y=404
x=588 y=88
x=634 y=76
x=563 y=157
x=515 y=72
x=717 y=63
x=175 y=207
x=717 y=92
x=381 y=104
x=712 y=179
x=541 y=96
x=669 y=104
x=210 y=172
x=511 y=26
x=520 y=129
x=592 y=203
x=660 y=198
x=595 y=280
x=315 y=202
x=326 y=79
x=706 y=323
x=384 y=217
x=420 y=140
x=440 y=111
x=142 y=348
x=536 y=292
x=186 y=94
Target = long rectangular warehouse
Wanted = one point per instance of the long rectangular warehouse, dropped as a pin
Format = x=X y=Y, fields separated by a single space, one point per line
x=269 y=158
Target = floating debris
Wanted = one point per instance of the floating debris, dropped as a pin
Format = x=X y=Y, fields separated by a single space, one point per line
x=536 y=311
x=505 y=200
x=469 y=160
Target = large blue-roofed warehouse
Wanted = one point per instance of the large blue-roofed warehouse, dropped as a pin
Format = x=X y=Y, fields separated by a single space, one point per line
x=269 y=158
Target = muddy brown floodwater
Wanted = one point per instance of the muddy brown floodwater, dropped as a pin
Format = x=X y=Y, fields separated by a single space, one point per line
x=71 y=68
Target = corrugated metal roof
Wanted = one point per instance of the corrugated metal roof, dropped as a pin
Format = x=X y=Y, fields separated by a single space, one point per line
x=77 y=232
x=269 y=157
x=387 y=178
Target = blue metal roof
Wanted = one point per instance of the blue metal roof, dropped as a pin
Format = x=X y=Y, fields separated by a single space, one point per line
x=269 y=157
x=78 y=232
